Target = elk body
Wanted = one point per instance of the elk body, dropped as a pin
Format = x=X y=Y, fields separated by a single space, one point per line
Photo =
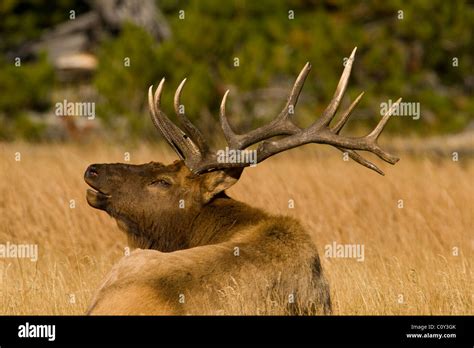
x=200 y=251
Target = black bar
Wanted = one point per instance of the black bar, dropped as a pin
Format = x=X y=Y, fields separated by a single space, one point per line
x=242 y=330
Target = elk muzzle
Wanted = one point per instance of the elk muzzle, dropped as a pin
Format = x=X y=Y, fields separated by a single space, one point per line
x=96 y=197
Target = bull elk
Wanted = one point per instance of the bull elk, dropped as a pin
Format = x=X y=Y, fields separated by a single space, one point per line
x=213 y=254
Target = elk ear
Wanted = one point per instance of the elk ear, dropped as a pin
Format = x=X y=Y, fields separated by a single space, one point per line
x=214 y=183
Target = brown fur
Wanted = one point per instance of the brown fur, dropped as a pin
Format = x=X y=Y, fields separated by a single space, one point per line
x=215 y=255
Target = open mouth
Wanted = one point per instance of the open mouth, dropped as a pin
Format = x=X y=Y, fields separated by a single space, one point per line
x=96 y=198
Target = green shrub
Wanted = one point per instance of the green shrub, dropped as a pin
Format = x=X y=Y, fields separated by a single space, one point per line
x=25 y=87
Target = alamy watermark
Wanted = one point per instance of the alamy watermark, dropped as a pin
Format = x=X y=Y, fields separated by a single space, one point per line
x=80 y=109
x=349 y=251
x=28 y=330
x=237 y=156
x=411 y=109
x=19 y=251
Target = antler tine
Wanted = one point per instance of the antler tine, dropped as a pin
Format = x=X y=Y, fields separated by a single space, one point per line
x=178 y=140
x=192 y=130
x=380 y=126
x=330 y=111
x=230 y=136
x=281 y=125
x=157 y=121
x=361 y=160
x=295 y=91
x=342 y=121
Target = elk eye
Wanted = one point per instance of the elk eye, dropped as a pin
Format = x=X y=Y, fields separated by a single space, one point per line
x=161 y=182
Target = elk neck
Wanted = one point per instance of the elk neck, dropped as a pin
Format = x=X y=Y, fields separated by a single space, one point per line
x=217 y=221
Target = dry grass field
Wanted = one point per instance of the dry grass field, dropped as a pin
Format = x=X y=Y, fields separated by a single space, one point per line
x=418 y=258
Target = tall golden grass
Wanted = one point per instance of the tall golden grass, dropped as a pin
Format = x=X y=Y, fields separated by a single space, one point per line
x=417 y=258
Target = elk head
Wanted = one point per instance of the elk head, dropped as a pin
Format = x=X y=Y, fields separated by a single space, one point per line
x=151 y=200
x=165 y=199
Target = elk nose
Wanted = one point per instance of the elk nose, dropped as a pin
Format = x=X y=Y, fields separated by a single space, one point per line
x=92 y=172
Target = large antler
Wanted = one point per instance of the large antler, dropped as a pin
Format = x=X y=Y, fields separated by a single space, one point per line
x=193 y=149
